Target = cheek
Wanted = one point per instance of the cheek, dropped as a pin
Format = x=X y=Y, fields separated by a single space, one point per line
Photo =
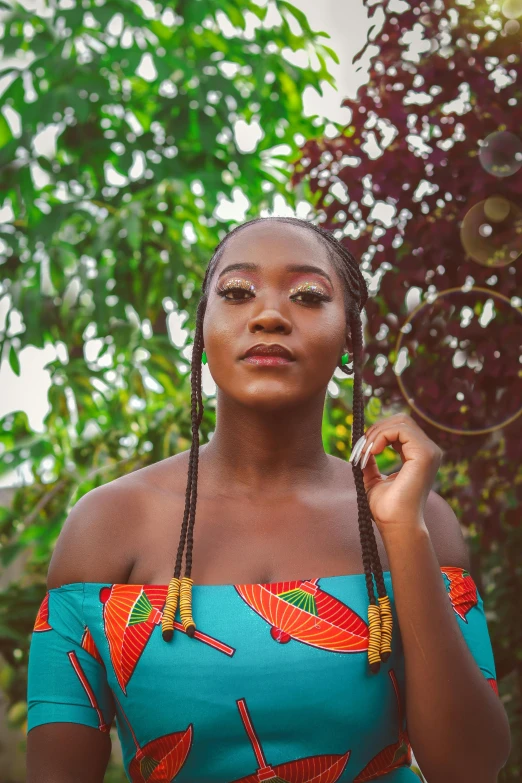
x=321 y=336
x=222 y=334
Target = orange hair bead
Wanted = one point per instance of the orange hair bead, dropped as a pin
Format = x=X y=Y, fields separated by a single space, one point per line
x=374 y=643
x=169 y=612
x=185 y=606
x=386 y=627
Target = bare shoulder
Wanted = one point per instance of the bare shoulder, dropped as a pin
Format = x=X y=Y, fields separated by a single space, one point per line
x=97 y=542
x=92 y=545
x=446 y=532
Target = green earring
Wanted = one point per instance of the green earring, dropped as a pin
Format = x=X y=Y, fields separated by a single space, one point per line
x=204 y=357
x=344 y=358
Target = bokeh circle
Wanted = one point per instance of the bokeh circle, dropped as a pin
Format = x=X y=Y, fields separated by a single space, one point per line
x=500 y=153
x=511 y=27
x=491 y=232
x=435 y=384
x=512 y=9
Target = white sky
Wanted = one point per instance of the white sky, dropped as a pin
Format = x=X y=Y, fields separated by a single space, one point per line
x=347 y=24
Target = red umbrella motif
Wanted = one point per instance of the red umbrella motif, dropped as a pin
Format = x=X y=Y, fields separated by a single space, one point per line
x=41 y=623
x=463 y=590
x=312 y=769
x=463 y=596
x=398 y=754
x=130 y=614
x=492 y=681
x=89 y=645
x=161 y=759
x=102 y=725
x=301 y=610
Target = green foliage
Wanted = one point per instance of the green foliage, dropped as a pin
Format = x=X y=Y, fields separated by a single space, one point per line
x=95 y=268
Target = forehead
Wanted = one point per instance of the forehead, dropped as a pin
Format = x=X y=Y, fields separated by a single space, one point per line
x=272 y=243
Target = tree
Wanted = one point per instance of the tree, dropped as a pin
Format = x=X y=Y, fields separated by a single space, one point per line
x=149 y=97
x=447 y=177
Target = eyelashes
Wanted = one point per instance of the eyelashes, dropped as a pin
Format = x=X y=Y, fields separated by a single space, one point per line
x=303 y=289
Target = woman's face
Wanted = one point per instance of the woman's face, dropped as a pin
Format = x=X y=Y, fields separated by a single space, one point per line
x=263 y=307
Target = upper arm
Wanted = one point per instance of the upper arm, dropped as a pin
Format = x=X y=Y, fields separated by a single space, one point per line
x=467 y=603
x=70 y=705
x=66 y=753
x=445 y=532
x=69 y=701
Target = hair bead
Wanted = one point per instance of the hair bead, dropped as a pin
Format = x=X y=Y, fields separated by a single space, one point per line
x=169 y=612
x=386 y=627
x=374 y=644
x=185 y=605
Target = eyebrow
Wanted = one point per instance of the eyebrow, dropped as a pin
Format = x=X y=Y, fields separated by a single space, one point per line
x=289 y=267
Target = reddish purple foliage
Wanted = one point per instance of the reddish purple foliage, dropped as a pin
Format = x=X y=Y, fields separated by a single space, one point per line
x=464 y=376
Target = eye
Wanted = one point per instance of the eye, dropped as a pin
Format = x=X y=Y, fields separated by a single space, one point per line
x=316 y=298
x=313 y=293
x=238 y=291
x=224 y=291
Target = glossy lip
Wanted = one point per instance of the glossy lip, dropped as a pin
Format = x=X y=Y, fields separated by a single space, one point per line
x=267 y=350
x=266 y=361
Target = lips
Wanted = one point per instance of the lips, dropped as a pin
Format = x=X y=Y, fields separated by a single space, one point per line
x=269 y=349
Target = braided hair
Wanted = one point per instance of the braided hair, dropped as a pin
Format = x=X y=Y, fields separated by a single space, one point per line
x=355 y=297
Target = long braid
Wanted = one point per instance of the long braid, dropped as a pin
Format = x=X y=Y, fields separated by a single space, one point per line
x=185 y=608
x=355 y=297
x=180 y=589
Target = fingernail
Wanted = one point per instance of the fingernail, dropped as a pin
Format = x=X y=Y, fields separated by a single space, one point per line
x=359 y=452
x=367 y=455
x=357 y=447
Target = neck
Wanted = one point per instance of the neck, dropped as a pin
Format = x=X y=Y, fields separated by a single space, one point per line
x=269 y=451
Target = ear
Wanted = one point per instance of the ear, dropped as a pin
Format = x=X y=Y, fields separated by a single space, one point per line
x=348 y=345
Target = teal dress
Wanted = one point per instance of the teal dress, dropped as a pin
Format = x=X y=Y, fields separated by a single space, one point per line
x=274 y=686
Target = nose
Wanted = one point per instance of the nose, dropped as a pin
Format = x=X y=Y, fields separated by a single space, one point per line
x=270 y=321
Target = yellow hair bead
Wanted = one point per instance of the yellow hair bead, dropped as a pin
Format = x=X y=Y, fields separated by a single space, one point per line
x=169 y=612
x=386 y=627
x=374 y=622
x=185 y=605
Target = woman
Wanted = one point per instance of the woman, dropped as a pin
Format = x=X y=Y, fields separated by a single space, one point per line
x=286 y=664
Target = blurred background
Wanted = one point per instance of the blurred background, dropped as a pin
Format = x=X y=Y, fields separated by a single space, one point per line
x=135 y=135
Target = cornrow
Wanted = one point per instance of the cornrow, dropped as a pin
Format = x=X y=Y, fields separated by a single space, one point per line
x=355 y=296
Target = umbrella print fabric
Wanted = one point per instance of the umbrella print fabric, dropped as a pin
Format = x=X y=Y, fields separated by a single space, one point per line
x=88 y=644
x=463 y=595
x=301 y=610
x=75 y=663
x=393 y=756
x=42 y=617
x=64 y=660
x=324 y=768
x=274 y=686
x=159 y=759
x=130 y=615
x=462 y=591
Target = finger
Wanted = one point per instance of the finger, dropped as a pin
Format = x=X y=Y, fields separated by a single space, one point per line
x=376 y=442
x=400 y=437
x=393 y=424
x=368 y=464
x=371 y=473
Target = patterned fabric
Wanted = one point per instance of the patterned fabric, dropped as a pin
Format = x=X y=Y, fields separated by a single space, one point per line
x=274 y=686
